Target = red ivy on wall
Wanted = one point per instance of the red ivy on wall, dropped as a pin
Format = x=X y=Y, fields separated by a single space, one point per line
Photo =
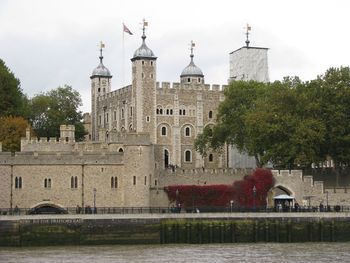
x=241 y=192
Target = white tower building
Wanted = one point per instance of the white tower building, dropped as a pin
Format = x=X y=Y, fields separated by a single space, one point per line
x=249 y=63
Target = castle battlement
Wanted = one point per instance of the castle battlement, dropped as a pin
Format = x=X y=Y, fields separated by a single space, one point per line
x=200 y=171
x=115 y=93
x=288 y=173
x=184 y=86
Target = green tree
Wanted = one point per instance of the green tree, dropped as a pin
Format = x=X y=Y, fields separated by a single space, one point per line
x=271 y=121
x=12 y=129
x=13 y=101
x=231 y=128
x=332 y=94
x=51 y=109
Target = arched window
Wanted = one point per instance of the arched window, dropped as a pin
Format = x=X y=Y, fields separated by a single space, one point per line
x=183 y=112
x=210 y=114
x=18 y=182
x=114 y=182
x=166 y=158
x=163 y=131
x=188 y=156
x=171 y=111
x=121 y=150
x=122 y=114
x=74 y=182
x=47 y=183
x=157 y=111
x=160 y=111
x=180 y=112
x=187 y=131
x=211 y=157
x=167 y=112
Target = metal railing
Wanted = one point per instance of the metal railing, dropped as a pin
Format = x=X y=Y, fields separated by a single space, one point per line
x=162 y=210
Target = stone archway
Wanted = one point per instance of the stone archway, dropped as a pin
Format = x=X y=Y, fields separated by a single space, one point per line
x=47 y=208
x=275 y=191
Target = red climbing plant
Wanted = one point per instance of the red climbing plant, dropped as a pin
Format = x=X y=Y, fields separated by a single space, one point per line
x=241 y=192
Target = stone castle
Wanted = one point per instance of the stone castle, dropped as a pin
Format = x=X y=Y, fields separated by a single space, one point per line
x=141 y=139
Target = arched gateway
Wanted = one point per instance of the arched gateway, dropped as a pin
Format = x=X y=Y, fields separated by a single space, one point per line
x=47 y=208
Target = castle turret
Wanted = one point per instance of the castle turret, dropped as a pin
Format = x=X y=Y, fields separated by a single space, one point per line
x=144 y=89
x=192 y=73
x=249 y=63
x=100 y=85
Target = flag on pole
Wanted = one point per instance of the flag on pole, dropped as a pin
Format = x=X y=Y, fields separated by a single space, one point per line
x=126 y=30
x=249 y=27
x=102 y=45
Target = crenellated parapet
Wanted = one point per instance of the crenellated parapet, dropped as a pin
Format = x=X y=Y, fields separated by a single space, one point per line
x=116 y=93
x=176 y=86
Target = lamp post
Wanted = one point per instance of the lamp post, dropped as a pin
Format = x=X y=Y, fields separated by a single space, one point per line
x=178 y=206
x=254 y=194
x=231 y=204
x=94 y=191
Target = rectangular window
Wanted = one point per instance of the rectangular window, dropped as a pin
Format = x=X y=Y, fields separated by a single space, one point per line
x=99 y=120
x=115 y=115
x=107 y=118
x=145 y=180
x=134 y=180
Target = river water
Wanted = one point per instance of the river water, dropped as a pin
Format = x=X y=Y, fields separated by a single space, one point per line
x=221 y=253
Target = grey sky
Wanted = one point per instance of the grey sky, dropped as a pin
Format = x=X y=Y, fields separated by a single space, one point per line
x=51 y=43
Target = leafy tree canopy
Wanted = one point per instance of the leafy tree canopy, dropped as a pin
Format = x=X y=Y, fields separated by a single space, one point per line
x=12 y=129
x=13 y=101
x=51 y=109
x=289 y=123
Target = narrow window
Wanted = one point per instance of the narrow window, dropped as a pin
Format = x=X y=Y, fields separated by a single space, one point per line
x=112 y=182
x=72 y=182
x=188 y=80
x=45 y=183
x=142 y=75
x=145 y=180
x=115 y=115
x=49 y=183
x=157 y=111
x=134 y=180
x=107 y=118
x=210 y=114
x=210 y=157
x=151 y=63
x=188 y=156
x=76 y=182
x=163 y=131
x=143 y=62
x=99 y=119
x=99 y=89
x=161 y=111
x=187 y=132
x=122 y=113
x=20 y=182
x=180 y=112
x=147 y=119
x=167 y=112
x=199 y=80
x=155 y=182
x=171 y=111
x=130 y=111
x=151 y=76
x=183 y=112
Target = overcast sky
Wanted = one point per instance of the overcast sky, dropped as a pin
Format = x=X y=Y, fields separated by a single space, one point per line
x=51 y=43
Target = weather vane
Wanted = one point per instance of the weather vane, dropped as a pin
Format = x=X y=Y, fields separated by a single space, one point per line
x=192 y=46
x=144 y=24
x=102 y=45
x=247 y=28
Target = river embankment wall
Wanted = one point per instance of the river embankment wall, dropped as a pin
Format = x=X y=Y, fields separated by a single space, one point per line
x=200 y=228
